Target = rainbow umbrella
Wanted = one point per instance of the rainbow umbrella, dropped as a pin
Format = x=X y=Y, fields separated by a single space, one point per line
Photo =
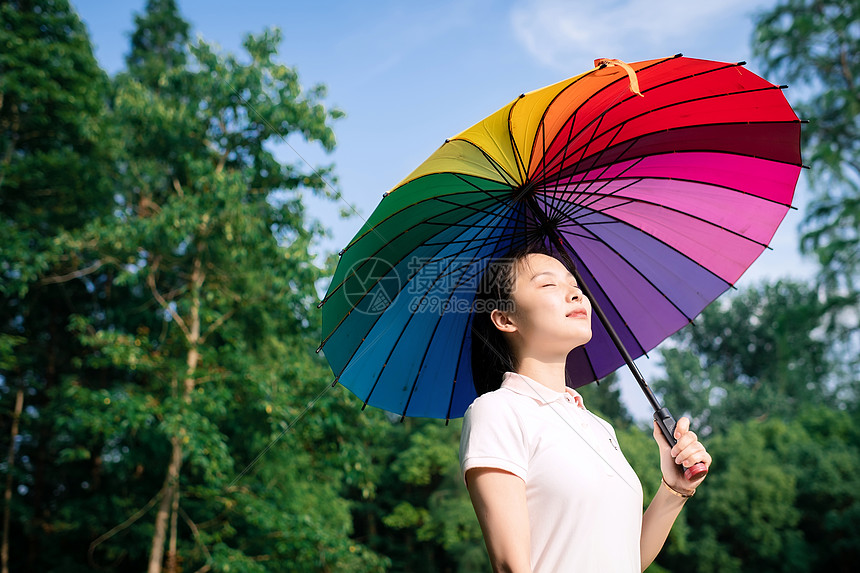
x=660 y=195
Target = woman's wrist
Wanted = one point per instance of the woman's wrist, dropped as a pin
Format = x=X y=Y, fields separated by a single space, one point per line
x=682 y=494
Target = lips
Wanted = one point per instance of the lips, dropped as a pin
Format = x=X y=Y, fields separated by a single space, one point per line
x=580 y=313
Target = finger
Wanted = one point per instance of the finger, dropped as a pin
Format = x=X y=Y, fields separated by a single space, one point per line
x=682 y=427
x=686 y=440
x=693 y=455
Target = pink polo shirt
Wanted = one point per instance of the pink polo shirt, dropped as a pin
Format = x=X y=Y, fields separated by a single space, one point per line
x=584 y=500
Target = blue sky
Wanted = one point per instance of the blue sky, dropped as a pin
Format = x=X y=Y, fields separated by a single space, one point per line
x=409 y=74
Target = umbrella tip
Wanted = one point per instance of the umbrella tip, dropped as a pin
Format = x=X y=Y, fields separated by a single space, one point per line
x=742 y=63
x=334 y=383
x=384 y=195
x=319 y=348
x=341 y=252
x=522 y=95
x=804 y=121
x=783 y=87
x=678 y=55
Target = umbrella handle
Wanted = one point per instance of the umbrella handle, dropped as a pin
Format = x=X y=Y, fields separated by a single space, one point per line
x=666 y=423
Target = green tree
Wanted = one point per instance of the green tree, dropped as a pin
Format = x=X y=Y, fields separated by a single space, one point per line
x=816 y=43
x=158 y=43
x=55 y=169
x=781 y=497
x=194 y=348
x=427 y=520
x=212 y=247
x=761 y=353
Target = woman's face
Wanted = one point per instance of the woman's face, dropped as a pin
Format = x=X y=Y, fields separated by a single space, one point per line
x=551 y=316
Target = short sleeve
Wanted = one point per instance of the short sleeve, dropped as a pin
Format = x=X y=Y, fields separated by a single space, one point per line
x=493 y=437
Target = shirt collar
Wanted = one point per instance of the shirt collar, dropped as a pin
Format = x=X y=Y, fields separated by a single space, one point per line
x=522 y=384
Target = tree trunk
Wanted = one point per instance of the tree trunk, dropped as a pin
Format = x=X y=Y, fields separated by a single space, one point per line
x=10 y=466
x=171 y=482
x=171 y=544
x=168 y=508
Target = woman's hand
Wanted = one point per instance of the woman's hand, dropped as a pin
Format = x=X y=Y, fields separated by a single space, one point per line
x=688 y=451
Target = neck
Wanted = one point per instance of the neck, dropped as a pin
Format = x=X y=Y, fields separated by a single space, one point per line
x=549 y=374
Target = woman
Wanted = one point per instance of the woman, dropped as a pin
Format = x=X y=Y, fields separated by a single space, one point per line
x=549 y=485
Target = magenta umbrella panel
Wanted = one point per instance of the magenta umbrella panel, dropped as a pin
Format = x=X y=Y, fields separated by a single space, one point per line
x=662 y=194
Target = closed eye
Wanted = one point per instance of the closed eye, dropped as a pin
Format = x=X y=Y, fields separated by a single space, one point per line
x=548 y=284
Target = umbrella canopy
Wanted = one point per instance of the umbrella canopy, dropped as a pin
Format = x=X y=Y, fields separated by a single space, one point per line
x=662 y=200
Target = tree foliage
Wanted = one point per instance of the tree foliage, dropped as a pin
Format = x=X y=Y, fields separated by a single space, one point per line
x=816 y=43
x=761 y=353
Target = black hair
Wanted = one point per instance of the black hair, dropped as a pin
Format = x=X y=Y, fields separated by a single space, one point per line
x=492 y=356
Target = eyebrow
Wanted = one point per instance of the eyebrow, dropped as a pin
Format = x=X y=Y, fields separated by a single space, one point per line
x=551 y=274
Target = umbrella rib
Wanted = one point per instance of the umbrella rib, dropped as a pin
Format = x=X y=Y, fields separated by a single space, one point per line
x=466 y=325
x=403 y=210
x=369 y=289
x=635 y=269
x=680 y=179
x=436 y=326
x=609 y=165
x=361 y=346
x=616 y=102
x=648 y=280
x=475 y=209
x=575 y=207
x=592 y=138
x=630 y=200
x=520 y=163
x=599 y=119
x=638 y=160
x=576 y=111
x=570 y=171
x=475 y=189
x=679 y=128
x=332 y=291
x=400 y=335
x=507 y=177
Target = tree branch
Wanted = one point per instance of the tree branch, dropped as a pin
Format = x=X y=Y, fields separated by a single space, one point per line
x=150 y=280
x=178 y=187
x=7 y=159
x=196 y=533
x=846 y=70
x=216 y=324
x=137 y=515
x=73 y=275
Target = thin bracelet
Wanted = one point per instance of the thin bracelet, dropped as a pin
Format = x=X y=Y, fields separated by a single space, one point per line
x=675 y=491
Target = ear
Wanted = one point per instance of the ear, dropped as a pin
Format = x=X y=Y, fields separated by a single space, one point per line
x=503 y=321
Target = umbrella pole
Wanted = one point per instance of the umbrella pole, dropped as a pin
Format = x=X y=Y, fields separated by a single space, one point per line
x=662 y=416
